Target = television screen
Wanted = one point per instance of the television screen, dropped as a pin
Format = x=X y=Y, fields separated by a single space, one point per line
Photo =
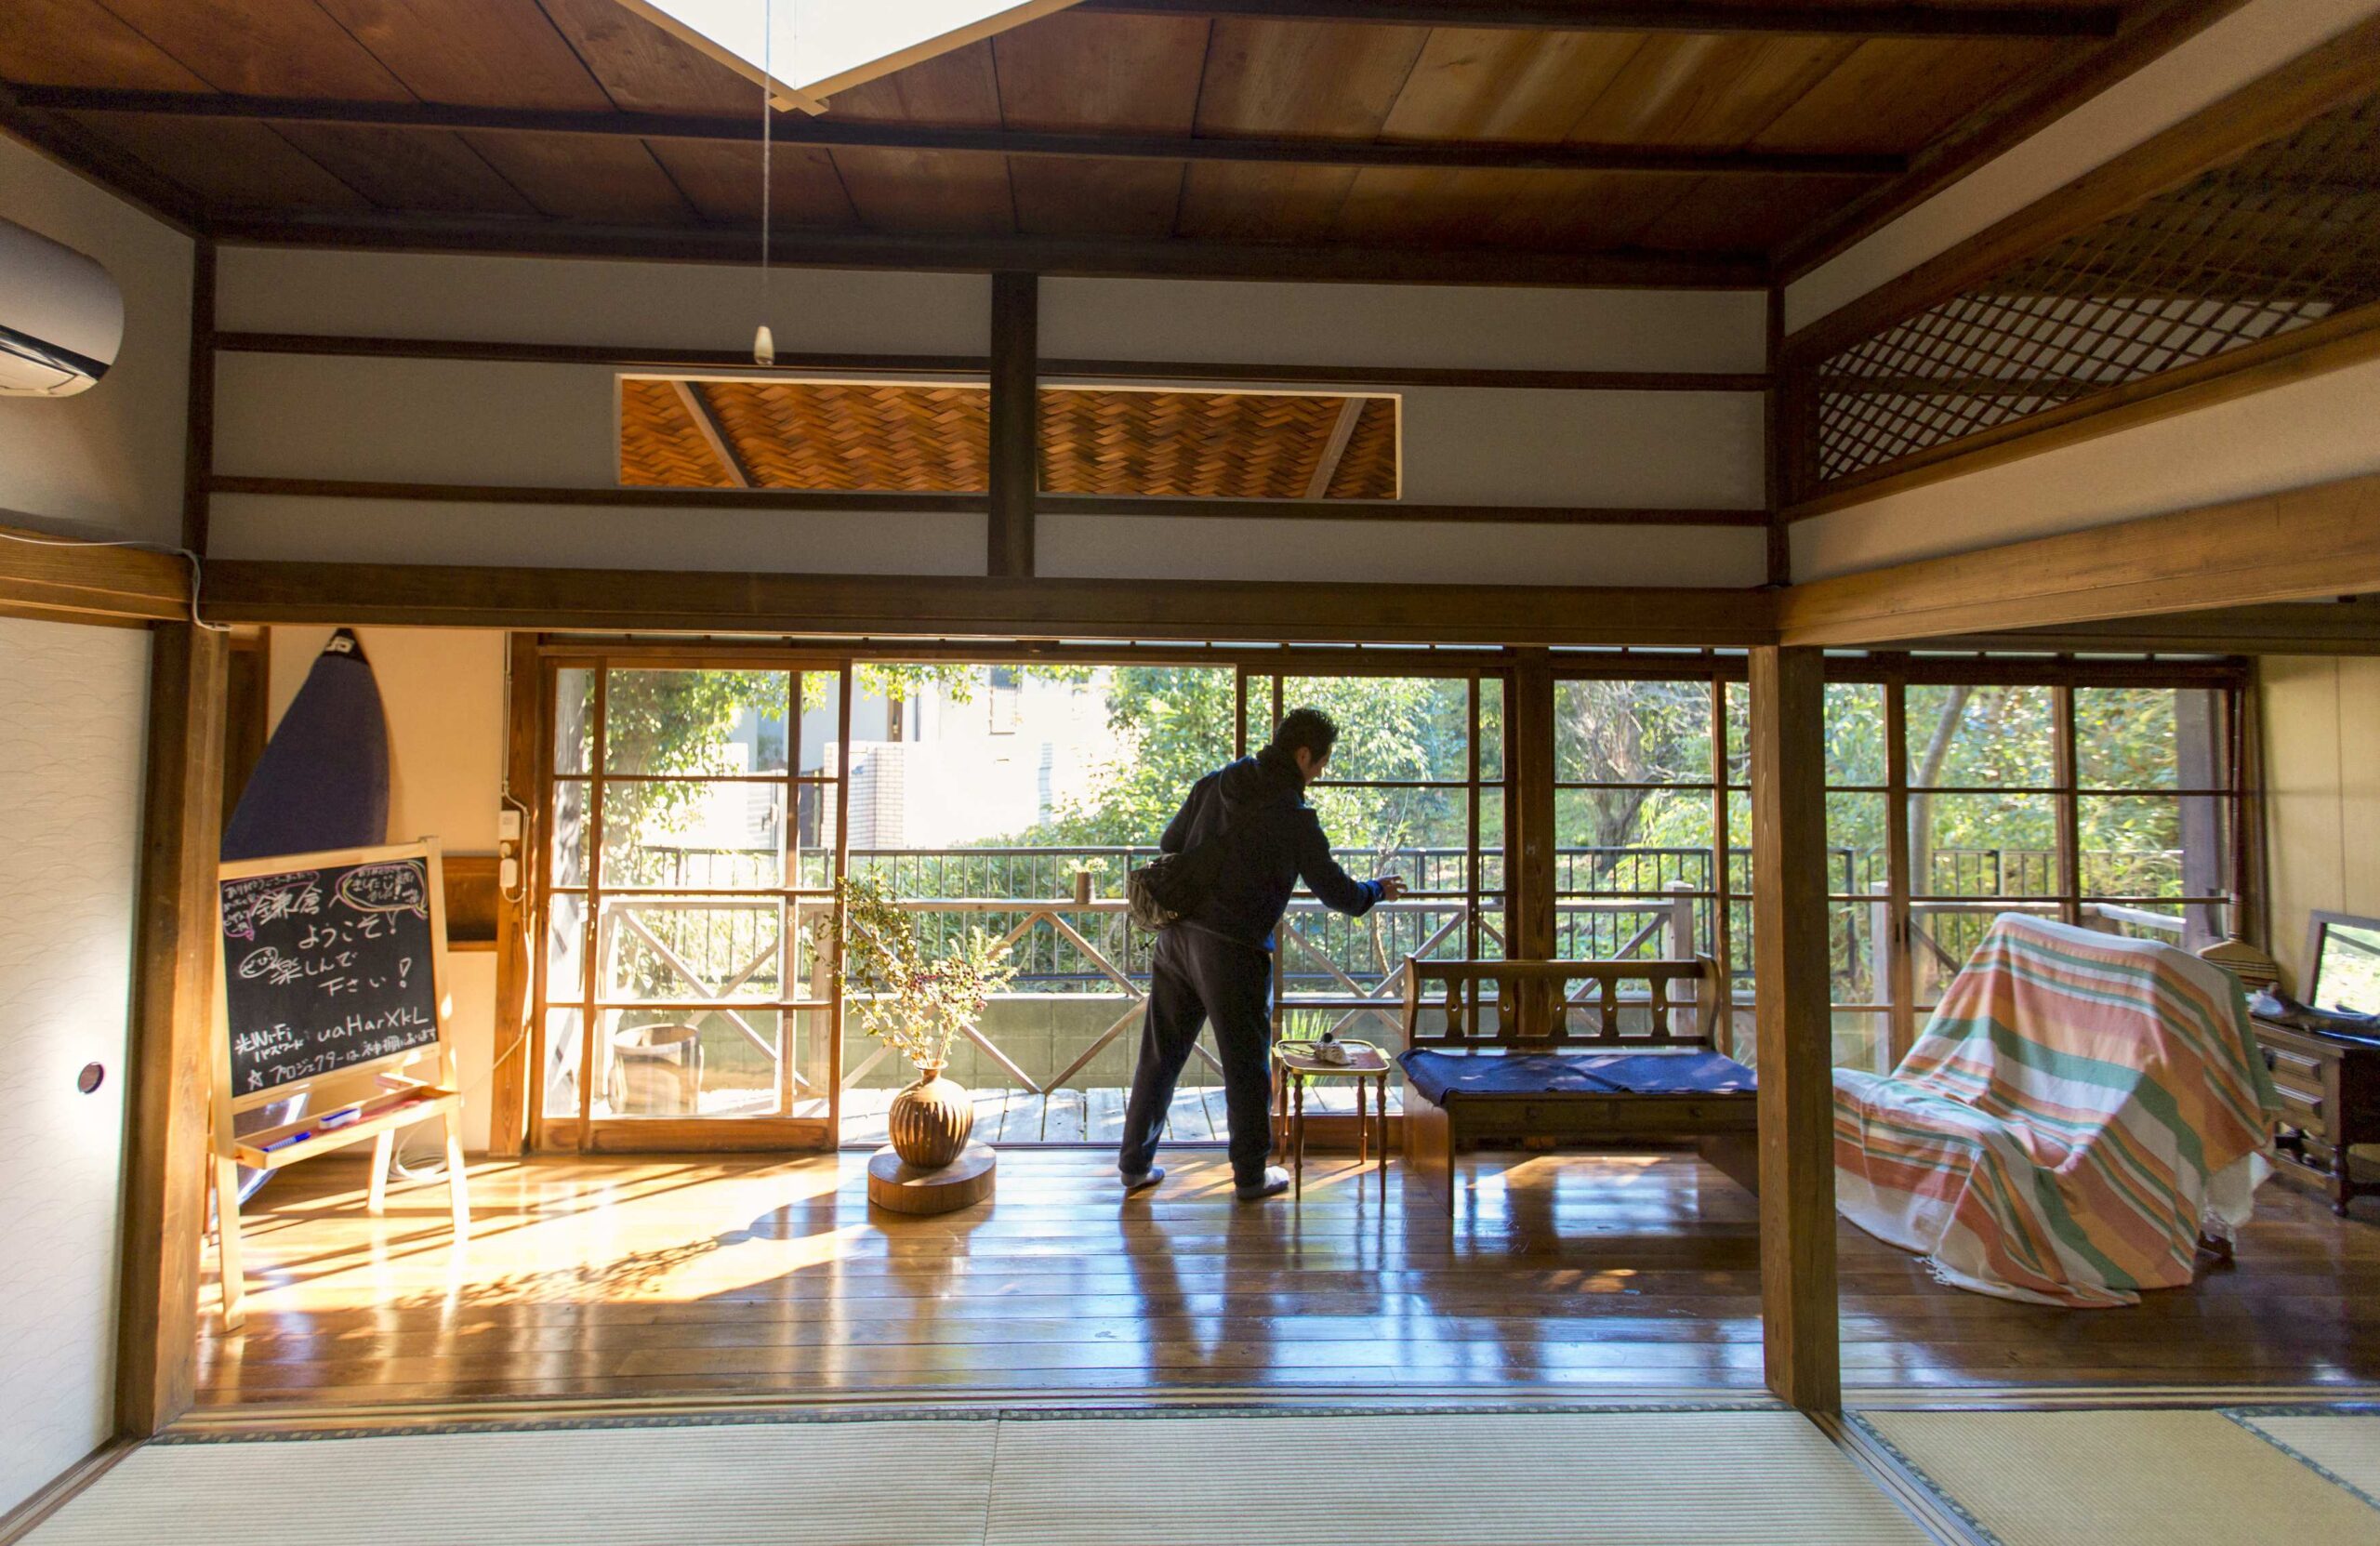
x=2347 y=972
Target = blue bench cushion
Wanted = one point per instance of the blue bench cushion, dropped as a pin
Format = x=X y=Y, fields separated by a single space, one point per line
x=1438 y=1075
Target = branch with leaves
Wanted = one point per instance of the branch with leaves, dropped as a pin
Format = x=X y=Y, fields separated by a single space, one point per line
x=917 y=1000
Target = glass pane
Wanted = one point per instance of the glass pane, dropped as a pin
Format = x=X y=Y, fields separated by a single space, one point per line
x=1392 y=727
x=1260 y=716
x=1856 y=937
x=677 y=721
x=1632 y=840
x=2190 y=926
x=1739 y=842
x=570 y=832
x=1855 y=732
x=1855 y=831
x=815 y=806
x=671 y=1063
x=565 y=948
x=1965 y=736
x=2150 y=739
x=821 y=727
x=2155 y=845
x=1863 y=1040
x=574 y=720
x=667 y=949
x=1740 y=733
x=1491 y=728
x=1631 y=732
x=693 y=835
x=564 y=1045
x=1983 y=845
x=1607 y=930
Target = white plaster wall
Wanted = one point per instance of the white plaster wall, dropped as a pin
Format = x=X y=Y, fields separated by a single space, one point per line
x=75 y=701
x=2311 y=431
x=1240 y=321
x=108 y=462
x=442 y=690
x=2254 y=39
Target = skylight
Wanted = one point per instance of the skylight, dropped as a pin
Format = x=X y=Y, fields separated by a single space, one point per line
x=813 y=48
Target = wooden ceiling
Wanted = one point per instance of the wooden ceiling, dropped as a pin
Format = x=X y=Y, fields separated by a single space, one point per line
x=1705 y=140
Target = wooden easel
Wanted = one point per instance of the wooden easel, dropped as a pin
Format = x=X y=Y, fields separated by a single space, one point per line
x=377 y=1099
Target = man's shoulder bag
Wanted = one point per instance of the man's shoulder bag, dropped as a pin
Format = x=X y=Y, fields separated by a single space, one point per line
x=1158 y=893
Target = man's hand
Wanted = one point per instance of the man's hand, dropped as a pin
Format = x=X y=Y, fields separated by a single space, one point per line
x=1391 y=887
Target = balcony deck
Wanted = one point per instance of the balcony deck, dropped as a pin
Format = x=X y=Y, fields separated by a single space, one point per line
x=755 y=1277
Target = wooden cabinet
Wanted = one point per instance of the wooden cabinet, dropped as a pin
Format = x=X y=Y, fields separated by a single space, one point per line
x=2330 y=1101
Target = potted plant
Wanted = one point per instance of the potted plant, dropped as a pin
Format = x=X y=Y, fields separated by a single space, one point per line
x=918 y=1000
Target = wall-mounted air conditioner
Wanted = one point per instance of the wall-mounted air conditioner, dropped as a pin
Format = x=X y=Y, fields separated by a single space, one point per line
x=62 y=317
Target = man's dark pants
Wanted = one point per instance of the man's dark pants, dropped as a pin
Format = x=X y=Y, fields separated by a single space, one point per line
x=1201 y=977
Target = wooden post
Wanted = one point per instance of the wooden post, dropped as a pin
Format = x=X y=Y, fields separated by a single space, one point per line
x=173 y=1014
x=198 y=442
x=1797 y=1271
x=1529 y=836
x=516 y=930
x=1016 y=428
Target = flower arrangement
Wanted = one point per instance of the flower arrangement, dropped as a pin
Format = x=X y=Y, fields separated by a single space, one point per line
x=918 y=1000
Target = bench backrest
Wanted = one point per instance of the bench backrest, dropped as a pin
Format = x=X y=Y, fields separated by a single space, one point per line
x=1506 y=1003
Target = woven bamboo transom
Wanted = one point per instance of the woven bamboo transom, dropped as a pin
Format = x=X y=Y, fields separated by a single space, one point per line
x=908 y=438
x=2281 y=237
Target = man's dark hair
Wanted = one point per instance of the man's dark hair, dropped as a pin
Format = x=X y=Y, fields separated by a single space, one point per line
x=1310 y=728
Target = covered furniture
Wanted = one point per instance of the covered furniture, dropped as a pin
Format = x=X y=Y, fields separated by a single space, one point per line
x=2077 y=1110
x=1501 y=1052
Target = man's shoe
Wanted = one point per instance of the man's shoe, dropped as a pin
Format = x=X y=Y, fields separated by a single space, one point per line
x=1142 y=1182
x=1275 y=1181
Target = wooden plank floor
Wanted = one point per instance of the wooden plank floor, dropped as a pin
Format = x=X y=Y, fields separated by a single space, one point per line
x=1011 y=1118
x=720 y=1274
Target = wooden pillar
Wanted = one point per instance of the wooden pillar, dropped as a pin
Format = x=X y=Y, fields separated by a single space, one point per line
x=516 y=930
x=1015 y=429
x=198 y=444
x=1529 y=837
x=1795 y=1060
x=173 y=1014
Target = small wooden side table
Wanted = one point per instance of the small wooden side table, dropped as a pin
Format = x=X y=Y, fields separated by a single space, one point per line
x=1297 y=1066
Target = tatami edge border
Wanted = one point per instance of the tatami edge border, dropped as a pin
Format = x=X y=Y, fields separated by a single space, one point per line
x=2246 y=1417
x=289 y=1427
x=1870 y=1434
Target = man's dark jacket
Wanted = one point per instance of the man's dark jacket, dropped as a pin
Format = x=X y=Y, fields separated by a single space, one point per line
x=1271 y=838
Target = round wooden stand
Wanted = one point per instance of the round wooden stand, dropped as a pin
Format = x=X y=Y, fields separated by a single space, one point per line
x=893 y=1185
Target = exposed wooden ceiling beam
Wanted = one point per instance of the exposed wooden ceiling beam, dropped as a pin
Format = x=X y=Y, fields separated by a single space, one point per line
x=1334 y=450
x=842 y=133
x=2349 y=626
x=1892 y=18
x=1054 y=370
x=60 y=578
x=85 y=155
x=2320 y=540
x=1062 y=256
x=964 y=607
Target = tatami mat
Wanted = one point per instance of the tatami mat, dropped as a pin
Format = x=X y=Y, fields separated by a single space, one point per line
x=1583 y=1479
x=2123 y=1478
x=1665 y=1478
x=803 y=1484
x=2346 y=1444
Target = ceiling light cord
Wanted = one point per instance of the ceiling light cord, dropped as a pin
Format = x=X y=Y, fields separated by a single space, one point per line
x=764 y=344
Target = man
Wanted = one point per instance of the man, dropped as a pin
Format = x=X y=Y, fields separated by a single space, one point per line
x=1215 y=962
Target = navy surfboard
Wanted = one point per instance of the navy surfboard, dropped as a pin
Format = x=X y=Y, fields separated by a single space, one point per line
x=322 y=783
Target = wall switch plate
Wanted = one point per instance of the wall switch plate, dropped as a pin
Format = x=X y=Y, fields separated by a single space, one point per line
x=508 y=825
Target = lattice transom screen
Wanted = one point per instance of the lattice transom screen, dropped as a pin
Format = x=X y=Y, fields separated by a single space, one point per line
x=912 y=438
x=2281 y=237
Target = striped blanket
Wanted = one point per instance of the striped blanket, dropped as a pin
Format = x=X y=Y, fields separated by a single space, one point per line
x=2077 y=1109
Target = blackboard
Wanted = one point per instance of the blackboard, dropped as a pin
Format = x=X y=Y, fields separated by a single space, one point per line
x=326 y=969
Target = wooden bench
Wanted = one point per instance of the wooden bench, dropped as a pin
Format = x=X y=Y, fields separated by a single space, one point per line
x=1503 y=1053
